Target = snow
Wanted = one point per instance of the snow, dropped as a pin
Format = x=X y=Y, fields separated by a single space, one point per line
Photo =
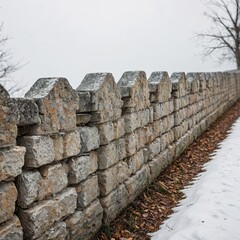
x=211 y=209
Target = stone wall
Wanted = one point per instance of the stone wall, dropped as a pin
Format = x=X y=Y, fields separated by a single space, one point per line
x=71 y=160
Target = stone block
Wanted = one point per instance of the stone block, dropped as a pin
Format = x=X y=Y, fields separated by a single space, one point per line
x=57 y=103
x=138 y=182
x=56 y=232
x=27 y=111
x=179 y=84
x=160 y=162
x=180 y=115
x=106 y=132
x=136 y=161
x=119 y=128
x=82 y=119
x=134 y=85
x=183 y=143
x=8 y=120
x=131 y=143
x=144 y=117
x=154 y=148
x=38 y=219
x=105 y=96
x=107 y=155
x=80 y=167
x=160 y=86
x=84 y=224
x=180 y=130
x=39 y=150
x=11 y=229
x=132 y=122
x=89 y=191
x=114 y=203
x=85 y=102
x=89 y=138
x=121 y=148
x=166 y=139
x=28 y=185
x=71 y=144
x=54 y=180
x=11 y=162
x=8 y=197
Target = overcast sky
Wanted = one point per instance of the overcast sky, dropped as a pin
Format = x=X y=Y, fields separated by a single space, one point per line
x=71 y=38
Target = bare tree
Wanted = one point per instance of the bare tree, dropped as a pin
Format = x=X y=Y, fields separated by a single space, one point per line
x=224 y=36
x=7 y=67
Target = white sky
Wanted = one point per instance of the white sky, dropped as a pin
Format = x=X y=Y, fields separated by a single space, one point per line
x=71 y=38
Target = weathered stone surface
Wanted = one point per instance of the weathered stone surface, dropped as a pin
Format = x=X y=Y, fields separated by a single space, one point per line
x=54 y=180
x=105 y=96
x=40 y=150
x=136 y=161
x=180 y=130
x=27 y=111
x=119 y=128
x=160 y=162
x=154 y=148
x=121 y=148
x=160 y=87
x=56 y=232
x=131 y=143
x=179 y=84
x=193 y=79
x=89 y=191
x=137 y=183
x=8 y=197
x=180 y=115
x=111 y=177
x=107 y=155
x=85 y=224
x=38 y=219
x=134 y=85
x=57 y=103
x=106 y=132
x=11 y=229
x=114 y=203
x=71 y=144
x=28 y=185
x=82 y=119
x=183 y=142
x=166 y=139
x=8 y=120
x=11 y=162
x=81 y=167
x=132 y=122
x=89 y=138
x=85 y=102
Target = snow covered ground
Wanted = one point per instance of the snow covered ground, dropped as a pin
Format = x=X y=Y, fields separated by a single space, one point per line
x=211 y=209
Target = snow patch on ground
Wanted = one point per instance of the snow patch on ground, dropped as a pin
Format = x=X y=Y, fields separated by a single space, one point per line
x=211 y=209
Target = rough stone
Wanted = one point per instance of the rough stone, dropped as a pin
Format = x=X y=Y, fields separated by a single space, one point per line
x=154 y=148
x=179 y=84
x=54 y=180
x=8 y=120
x=121 y=148
x=89 y=192
x=85 y=224
x=57 y=103
x=132 y=122
x=28 y=185
x=11 y=229
x=27 y=111
x=134 y=85
x=114 y=203
x=106 y=132
x=89 y=138
x=8 y=197
x=160 y=86
x=40 y=150
x=85 y=102
x=105 y=96
x=111 y=177
x=38 y=219
x=107 y=155
x=136 y=161
x=11 y=162
x=81 y=167
x=119 y=128
x=131 y=143
x=83 y=119
x=56 y=232
x=72 y=144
